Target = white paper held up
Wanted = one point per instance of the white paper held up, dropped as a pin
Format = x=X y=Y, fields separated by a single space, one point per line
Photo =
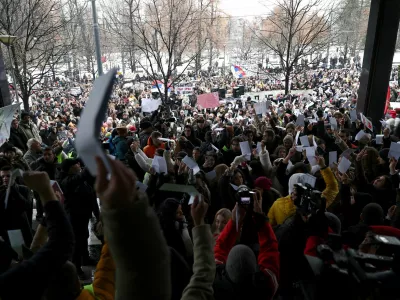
x=86 y=142
x=379 y=139
x=360 y=134
x=344 y=165
x=159 y=164
x=309 y=179
x=304 y=141
x=332 y=158
x=394 y=151
x=300 y=120
x=16 y=241
x=245 y=148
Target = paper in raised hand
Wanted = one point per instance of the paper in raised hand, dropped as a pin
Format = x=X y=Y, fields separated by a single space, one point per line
x=87 y=143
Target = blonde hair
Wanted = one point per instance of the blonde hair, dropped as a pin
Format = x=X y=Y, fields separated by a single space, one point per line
x=226 y=213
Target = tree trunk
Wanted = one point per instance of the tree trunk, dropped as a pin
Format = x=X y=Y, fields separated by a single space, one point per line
x=25 y=100
x=287 y=79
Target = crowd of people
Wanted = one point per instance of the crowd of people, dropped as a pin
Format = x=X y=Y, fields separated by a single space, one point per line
x=216 y=203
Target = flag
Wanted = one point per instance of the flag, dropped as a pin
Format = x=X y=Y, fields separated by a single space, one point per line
x=238 y=72
x=367 y=123
x=210 y=100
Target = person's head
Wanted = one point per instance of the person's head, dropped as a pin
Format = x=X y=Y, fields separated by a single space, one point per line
x=65 y=282
x=188 y=130
x=10 y=152
x=71 y=166
x=344 y=135
x=48 y=155
x=237 y=178
x=145 y=126
x=372 y=214
x=328 y=129
x=5 y=174
x=321 y=144
x=290 y=128
x=269 y=135
x=235 y=144
x=288 y=141
x=155 y=135
x=249 y=134
x=222 y=217
x=210 y=158
x=34 y=145
x=200 y=121
x=280 y=152
x=15 y=124
x=263 y=184
x=386 y=132
x=25 y=117
x=122 y=131
x=196 y=153
x=382 y=182
x=294 y=179
x=371 y=159
x=241 y=264
x=170 y=210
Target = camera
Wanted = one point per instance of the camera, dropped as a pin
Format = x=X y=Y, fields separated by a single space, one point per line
x=244 y=195
x=308 y=199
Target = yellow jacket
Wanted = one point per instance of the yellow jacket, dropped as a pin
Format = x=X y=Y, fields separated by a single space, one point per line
x=284 y=208
x=103 y=286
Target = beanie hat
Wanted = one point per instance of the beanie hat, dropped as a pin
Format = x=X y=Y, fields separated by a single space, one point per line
x=263 y=183
x=334 y=222
x=241 y=263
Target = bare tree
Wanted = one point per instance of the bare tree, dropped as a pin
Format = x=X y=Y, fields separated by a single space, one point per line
x=40 y=27
x=163 y=34
x=296 y=30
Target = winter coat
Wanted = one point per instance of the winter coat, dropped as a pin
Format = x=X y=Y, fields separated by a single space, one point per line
x=121 y=147
x=150 y=149
x=18 y=139
x=30 y=131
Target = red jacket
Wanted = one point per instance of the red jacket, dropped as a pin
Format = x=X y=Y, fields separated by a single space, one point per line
x=268 y=257
x=150 y=149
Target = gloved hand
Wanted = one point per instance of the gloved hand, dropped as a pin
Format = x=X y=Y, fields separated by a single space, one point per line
x=238 y=160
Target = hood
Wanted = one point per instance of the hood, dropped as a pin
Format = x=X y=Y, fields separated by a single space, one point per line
x=294 y=179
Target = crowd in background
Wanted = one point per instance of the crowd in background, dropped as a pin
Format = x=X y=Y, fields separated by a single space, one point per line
x=158 y=246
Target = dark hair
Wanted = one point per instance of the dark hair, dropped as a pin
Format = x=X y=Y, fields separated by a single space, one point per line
x=236 y=139
x=196 y=148
x=6 y=168
x=189 y=126
x=48 y=149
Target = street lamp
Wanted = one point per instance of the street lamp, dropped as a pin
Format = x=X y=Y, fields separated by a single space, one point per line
x=8 y=40
x=223 y=70
x=97 y=38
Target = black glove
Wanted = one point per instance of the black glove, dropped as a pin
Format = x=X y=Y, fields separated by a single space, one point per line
x=259 y=220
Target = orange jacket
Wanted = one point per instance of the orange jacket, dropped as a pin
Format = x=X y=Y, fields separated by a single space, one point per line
x=103 y=286
x=150 y=149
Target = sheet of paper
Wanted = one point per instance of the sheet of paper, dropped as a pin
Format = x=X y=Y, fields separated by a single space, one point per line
x=394 y=151
x=159 y=164
x=211 y=175
x=300 y=120
x=344 y=165
x=353 y=115
x=57 y=190
x=16 y=241
x=307 y=178
x=215 y=148
x=379 y=139
x=191 y=164
x=245 y=148
x=299 y=148
x=235 y=187
x=171 y=187
x=304 y=141
x=141 y=186
x=87 y=143
x=314 y=142
x=259 y=149
x=333 y=123
x=332 y=158
x=312 y=160
x=347 y=153
x=359 y=135
x=6 y=117
x=165 y=140
x=310 y=151
x=296 y=140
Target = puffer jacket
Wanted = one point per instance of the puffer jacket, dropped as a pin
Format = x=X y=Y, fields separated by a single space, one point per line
x=121 y=147
x=30 y=131
x=150 y=149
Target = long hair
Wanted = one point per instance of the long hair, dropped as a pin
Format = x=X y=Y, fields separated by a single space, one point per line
x=226 y=213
